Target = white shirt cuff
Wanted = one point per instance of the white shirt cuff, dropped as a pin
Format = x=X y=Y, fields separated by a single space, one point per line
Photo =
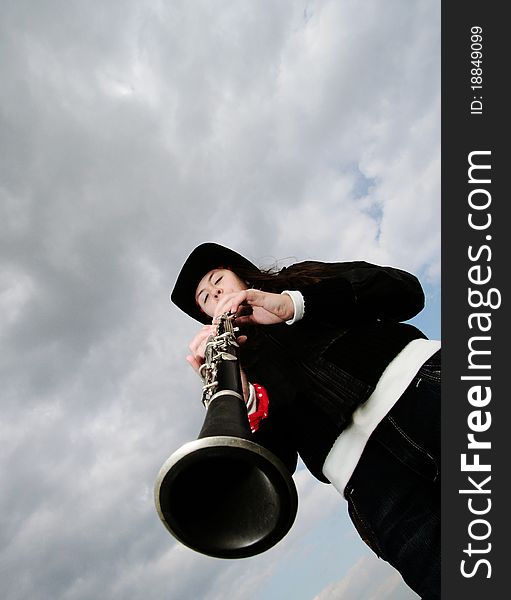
x=298 y=303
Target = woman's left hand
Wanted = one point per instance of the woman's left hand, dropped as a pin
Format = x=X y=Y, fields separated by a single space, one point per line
x=265 y=308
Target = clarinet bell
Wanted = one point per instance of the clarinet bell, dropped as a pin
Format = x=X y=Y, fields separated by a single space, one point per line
x=224 y=495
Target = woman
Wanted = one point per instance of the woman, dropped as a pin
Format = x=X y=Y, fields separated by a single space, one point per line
x=333 y=374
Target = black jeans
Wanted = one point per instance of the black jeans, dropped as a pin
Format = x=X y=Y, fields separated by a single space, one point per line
x=394 y=493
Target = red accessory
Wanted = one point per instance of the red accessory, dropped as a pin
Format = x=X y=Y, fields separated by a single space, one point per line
x=262 y=407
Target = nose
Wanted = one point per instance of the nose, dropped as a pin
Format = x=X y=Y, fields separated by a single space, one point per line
x=218 y=292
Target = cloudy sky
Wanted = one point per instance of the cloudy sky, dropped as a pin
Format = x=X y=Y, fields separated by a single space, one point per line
x=131 y=131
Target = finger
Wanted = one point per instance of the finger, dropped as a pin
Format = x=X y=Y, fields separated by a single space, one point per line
x=196 y=344
x=203 y=334
x=199 y=351
x=243 y=311
x=194 y=362
x=230 y=303
x=245 y=320
x=255 y=297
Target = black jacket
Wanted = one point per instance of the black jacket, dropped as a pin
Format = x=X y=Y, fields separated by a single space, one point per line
x=320 y=369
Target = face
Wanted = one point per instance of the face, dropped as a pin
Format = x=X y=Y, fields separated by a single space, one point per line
x=213 y=285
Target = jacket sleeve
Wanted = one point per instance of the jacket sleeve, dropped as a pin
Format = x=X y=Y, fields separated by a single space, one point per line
x=273 y=435
x=276 y=431
x=361 y=290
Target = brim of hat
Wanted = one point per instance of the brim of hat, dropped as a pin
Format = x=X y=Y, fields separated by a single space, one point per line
x=204 y=258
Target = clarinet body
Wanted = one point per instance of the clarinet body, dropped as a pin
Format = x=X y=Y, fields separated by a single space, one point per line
x=224 y=495
x=221 y=375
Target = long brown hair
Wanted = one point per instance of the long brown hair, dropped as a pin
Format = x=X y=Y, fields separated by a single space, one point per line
x=276 y=280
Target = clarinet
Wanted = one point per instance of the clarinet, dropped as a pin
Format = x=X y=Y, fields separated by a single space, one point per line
x=221 y=375
x=222 y=494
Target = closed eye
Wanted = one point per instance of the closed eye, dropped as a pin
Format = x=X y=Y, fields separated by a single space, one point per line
x=218 y=280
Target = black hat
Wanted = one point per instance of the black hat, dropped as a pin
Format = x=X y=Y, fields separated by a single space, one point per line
x=204 y=258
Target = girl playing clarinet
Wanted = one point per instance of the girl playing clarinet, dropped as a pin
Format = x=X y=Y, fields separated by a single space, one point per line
x=332 y=373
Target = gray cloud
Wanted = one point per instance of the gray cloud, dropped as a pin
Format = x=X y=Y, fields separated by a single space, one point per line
x=368 y=578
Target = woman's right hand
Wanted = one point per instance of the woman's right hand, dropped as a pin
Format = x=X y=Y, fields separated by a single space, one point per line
x=198 y=346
